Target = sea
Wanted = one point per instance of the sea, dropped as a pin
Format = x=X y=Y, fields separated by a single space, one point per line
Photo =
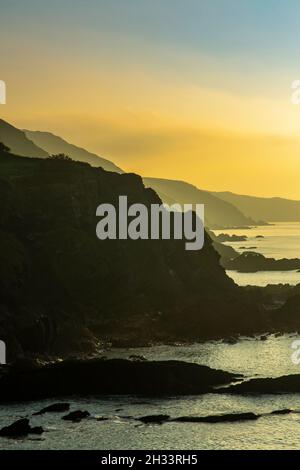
x=251 y=357
x=280 y=240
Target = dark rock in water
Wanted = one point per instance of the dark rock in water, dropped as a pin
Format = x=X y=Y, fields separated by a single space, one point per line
x=20 y=428
x=224 y=237
x=263 y=337
x=230 y=417
x=112 y=377
x=283 y=384
x=55 y=408
x=284 y=411
x=153 y=419
x=36 y=430
x=76 y=416
x=251 y=262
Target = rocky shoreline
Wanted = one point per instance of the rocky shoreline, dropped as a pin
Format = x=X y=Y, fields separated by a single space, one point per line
x=110 y=377
x=252 y=262
x=266 y=385
x=22 y=427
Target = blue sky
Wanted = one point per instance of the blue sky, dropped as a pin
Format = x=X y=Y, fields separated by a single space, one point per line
x=259 y=28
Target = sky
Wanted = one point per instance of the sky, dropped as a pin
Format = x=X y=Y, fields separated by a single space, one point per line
x=197 y=90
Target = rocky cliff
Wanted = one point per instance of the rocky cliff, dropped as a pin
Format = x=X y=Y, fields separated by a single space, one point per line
x=62 y=289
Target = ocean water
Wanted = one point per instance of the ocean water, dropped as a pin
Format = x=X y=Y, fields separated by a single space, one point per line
x=263 y=278
x=281 y=240
x=249 y=356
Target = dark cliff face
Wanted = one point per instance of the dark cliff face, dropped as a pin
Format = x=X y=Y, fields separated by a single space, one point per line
x=61 y=287
x=287 y=318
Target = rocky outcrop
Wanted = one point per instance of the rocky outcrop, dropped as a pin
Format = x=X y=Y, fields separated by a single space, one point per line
x=224 y=237
x=111 y=377
x=250 y=262
x=150 y=419
x=284 y=411
x=76 y=416
x=54 y=408
x=213 y=419
x=226 y=252
x=222 y=418
x=283 y=384
x=20 y=428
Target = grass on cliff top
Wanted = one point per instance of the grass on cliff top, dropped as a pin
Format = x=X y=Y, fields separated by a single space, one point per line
x=13 y=166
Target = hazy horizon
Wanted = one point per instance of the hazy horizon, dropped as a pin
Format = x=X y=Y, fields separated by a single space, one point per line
x=198 y=92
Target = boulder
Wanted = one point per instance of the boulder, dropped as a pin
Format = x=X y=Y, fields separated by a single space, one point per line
x=20 y=428
x=76 y=416
x=54 y=408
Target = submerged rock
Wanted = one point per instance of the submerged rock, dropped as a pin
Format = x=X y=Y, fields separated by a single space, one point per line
x=76 y=416
x=154 y=419
x=20 y=428
x=284 y=411
x=230 y=417
x=55 y=408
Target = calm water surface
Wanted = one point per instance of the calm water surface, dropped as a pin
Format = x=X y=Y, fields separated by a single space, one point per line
x=250 y=356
